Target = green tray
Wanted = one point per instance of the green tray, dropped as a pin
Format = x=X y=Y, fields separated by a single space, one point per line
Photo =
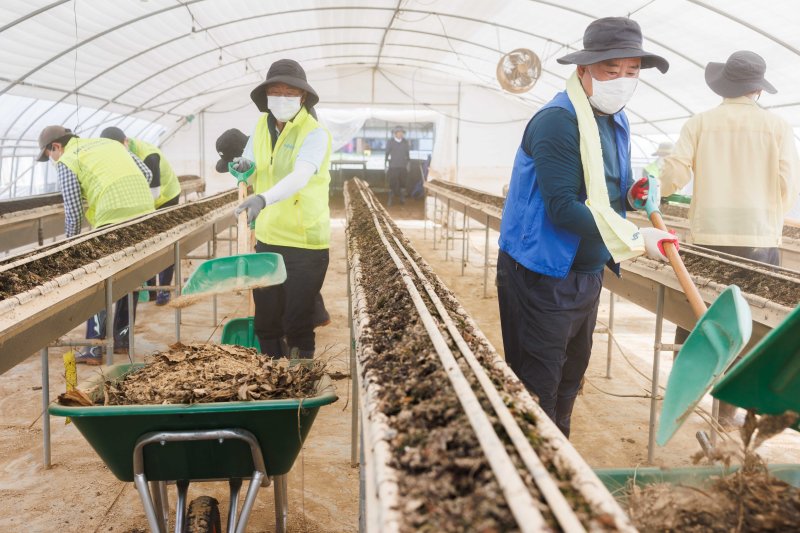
x=616 y=479
x=240 y=331
x=280 y=426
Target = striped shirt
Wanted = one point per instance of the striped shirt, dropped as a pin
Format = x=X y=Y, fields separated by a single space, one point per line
x=71 y=192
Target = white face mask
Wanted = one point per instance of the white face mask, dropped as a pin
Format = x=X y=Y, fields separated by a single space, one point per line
x=284 y=108
x=612 y=95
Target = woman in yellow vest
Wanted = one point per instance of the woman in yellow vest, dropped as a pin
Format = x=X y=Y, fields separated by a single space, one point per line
x=169 y=193
x=116 y=187
x=289 y=154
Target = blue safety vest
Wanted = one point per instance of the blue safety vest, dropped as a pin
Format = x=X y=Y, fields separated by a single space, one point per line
x=526 y=232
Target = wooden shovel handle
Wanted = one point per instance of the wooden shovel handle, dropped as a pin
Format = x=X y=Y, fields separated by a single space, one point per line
x=243 y=230
x=689 y=288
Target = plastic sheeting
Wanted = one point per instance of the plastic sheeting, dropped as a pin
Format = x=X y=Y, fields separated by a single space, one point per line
x=152 y=66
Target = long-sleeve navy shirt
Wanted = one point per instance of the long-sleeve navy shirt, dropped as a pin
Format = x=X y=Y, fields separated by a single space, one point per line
x=552 y=140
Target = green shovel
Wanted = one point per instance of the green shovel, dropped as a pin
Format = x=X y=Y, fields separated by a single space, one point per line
x=236 y=272
x=719 y=335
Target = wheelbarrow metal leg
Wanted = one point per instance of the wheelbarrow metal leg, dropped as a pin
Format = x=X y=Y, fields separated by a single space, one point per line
x=281 y=504
x=235 y=487
x=250 y=500
x=147 y=502
x=180 y=505
x=158 y=489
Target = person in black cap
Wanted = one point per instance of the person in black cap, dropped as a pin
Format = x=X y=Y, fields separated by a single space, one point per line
x=563 y=220
x=169 y=192
x=745 y=166
x=288 y=155
x=398 y=154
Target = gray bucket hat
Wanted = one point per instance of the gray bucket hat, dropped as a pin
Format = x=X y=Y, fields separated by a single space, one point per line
x=285 y=71
x=743 y=73
x=613 y=38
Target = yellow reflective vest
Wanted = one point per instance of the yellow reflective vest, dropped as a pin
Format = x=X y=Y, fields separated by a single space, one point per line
x=303 y=219
x=170 y=187
x=111 y=182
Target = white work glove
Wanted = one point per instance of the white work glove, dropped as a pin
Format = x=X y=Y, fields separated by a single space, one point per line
x=654 y=240
x=253 y=205
x=240 y=164
x=156 y=192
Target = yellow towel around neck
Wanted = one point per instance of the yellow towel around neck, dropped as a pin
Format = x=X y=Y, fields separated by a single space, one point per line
x=620 y=236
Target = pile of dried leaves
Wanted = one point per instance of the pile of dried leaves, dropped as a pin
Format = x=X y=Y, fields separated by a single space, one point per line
x=203 y=373
x=749 y=499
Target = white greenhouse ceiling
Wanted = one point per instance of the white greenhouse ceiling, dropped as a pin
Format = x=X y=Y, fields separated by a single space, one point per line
x=147 y=65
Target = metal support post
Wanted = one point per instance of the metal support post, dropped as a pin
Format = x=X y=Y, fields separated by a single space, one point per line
x=610 y=333
x=435 y=205
x=447 y=234
x=45 y=404
x=651 y=435
x=131 y=323
x=425 y=217
x=178 y=286
x=486 y=259
x=109 y=322
x=230 y=240
x=464 y=247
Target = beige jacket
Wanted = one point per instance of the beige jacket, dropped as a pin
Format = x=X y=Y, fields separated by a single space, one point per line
x=746 y=174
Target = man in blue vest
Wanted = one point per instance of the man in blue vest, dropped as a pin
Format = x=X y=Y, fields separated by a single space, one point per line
x=563 y=220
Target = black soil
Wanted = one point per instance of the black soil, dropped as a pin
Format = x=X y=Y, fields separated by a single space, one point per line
x=779 y=290
x=30 y=202
x=445 y=481
x=490 y=199
x=36 y=272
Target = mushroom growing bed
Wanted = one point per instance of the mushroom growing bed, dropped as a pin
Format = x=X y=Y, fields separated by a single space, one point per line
x=432 y=470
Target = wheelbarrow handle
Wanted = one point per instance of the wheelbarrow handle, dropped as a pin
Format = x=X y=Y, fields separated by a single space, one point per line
x=689 y=288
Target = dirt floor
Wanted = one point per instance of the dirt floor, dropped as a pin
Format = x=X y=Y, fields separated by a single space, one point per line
x=79 y=494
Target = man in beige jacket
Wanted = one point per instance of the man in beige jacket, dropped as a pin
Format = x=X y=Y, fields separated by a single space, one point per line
x=745 y=166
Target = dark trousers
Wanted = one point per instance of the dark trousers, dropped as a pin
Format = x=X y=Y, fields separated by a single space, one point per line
x=547 y=325
x=287 y=310
x=165 y=276
x=397 y=178
x=96 y=325
x=770 y=256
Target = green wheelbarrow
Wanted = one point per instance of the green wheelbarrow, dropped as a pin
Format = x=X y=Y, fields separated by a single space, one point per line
x=152 y=444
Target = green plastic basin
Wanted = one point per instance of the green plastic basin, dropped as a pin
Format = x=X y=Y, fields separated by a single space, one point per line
x=616 y=479
x=280 y=426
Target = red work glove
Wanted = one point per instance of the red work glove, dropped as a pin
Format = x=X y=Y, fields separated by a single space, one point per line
x=639 y=191
x=654 y=240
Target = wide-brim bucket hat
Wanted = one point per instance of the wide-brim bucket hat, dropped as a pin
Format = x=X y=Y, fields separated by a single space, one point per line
x=613 y=38
x=285 y=71
x=743 y=73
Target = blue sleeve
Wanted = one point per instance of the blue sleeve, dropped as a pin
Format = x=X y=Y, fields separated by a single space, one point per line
x=551 y=139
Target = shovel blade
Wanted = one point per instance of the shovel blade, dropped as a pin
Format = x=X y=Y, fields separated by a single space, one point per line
x=236 y=272
x=717 y=338
x=767 y=379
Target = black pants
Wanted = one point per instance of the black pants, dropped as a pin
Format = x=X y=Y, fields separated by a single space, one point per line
x=286 y=310
x=397 y=178
x=547 y=325
x=165 y=276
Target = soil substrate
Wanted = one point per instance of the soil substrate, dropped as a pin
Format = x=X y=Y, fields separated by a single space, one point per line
x=30 y=202
x=490 y=199
x=757 y=282
x=36 y=272
x=204 y=373
x=445 y=482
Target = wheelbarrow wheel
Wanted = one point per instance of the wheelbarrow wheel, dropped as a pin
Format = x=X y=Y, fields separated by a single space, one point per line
x=203 y=516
